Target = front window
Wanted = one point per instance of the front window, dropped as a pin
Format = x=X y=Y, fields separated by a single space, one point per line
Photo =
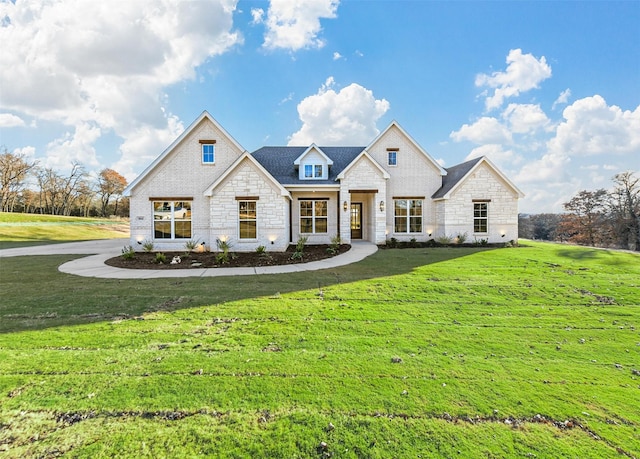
x=313 y=216
x=480 y=217
x=208 y=153
x=392 y=158
x=248 y=219
x=408 y=216
x=172 y=219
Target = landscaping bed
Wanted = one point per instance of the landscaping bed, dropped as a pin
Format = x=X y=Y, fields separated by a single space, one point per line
x=189 y=260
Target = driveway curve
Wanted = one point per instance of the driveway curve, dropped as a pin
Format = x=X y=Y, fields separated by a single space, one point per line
x=99 y=251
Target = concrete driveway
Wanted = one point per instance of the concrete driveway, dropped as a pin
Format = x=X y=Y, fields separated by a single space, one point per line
x=101 y=250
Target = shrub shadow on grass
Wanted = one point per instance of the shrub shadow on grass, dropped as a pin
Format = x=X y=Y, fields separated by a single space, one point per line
x=37 y=296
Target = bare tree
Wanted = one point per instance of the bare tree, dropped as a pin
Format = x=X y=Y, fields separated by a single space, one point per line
x=57 y=192
x=624 y=205
x=110 y=184
x=14 y=170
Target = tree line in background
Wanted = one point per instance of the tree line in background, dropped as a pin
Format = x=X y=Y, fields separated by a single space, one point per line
x=27 y=187
x=597 y=218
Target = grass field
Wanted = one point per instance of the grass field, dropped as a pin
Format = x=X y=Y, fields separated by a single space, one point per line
x=19 y=230
x=531 y=351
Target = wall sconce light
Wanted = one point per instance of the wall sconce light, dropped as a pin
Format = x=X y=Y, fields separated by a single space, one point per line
x=381 y=206
x=429 y=233
x=345 y=206
x=272 y=239
x=502 y=233
x=139 y=242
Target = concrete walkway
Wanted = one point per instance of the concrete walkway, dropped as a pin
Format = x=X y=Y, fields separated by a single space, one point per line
x=93 y=265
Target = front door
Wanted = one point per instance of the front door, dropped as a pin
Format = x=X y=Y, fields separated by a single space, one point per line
x=356 y=220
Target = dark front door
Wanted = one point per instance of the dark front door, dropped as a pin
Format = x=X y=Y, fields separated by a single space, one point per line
x=356 y=220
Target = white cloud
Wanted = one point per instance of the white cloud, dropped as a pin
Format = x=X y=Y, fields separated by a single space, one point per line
x=28 y=151
x=8 y=120
x=295 y=24
x=496 y=153
x=105 y=64
x=525 y=118
x=562 y=99
x=483 y=131
x=336 y=56
x=347 y=117
x=143 y=144
x=524 y=72
x=76 y=147
x=591 y=127
x=257 y=15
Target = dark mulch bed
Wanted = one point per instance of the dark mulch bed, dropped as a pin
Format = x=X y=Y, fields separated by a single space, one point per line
x=144 y=260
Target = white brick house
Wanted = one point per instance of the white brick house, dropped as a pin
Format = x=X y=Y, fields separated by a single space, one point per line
x=206 y=187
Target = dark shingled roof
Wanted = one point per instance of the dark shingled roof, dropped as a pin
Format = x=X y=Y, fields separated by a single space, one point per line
x=454 y=175
x=278 y=161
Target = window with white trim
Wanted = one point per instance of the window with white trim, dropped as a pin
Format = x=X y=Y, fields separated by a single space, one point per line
x=171 y=219
x=208 y=153
x=247 y=219
x=313 y=216
x=407 y=215
x=480 y=217
x=313 y=171
x=392 y=158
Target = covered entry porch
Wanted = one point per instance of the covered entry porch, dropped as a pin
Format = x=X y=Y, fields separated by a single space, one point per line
x=364 y=213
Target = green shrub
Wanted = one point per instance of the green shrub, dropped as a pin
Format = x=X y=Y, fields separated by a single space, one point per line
x=393 y=242
x=444 y=240
x=161 y=258
x=191 y=244
x=261 y=250
x=298 y=254
x=461 y=238
x=224 y=249
x=147 y=245
x=128 y=253
x=334 y=247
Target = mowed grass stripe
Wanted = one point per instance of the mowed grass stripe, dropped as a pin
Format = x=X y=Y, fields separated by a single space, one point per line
x=442 y=352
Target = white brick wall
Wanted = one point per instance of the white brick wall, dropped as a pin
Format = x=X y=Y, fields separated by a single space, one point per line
x=364 y=175
x=415 y=175
x=182 y=174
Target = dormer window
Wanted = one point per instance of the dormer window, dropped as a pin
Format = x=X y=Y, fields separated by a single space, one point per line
x=313 y=164
x=313 y=171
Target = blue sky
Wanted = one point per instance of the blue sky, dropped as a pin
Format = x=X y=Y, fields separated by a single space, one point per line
x=549 y=91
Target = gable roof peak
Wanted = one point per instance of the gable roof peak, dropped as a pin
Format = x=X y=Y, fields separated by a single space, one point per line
x=204 y=115
x=395 y=124
x=312 y=147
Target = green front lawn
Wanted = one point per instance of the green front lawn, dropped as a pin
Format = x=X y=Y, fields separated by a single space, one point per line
x=447 y=352
x=20 y=230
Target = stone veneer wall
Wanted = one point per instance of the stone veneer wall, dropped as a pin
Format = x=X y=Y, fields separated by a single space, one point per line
x=272 y=211
x=502 y=210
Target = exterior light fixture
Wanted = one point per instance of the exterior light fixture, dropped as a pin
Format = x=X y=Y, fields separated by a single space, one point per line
x=502 y=233
x=345 y=206
x=381 y=206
